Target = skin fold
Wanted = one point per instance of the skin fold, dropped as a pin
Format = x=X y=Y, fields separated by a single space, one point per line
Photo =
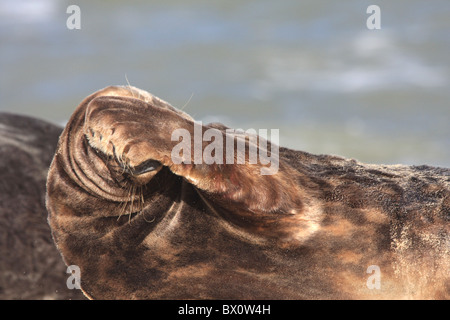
x=142 y=225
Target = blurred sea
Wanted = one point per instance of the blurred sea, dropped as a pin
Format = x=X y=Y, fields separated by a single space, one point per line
x=308 y=68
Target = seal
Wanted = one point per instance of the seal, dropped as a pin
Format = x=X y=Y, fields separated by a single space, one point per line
x=30 y=266
x=141 y=224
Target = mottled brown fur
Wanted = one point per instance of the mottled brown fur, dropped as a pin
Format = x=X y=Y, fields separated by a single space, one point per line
x=30 y=265
x=310 y=231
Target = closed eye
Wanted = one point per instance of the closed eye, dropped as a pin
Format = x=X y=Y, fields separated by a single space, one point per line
x=146 y=166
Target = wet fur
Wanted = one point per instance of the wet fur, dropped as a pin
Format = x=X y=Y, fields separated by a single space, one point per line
x=309 y=231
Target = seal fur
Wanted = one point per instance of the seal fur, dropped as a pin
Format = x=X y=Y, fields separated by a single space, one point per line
x=143 y=227
x=30 y=265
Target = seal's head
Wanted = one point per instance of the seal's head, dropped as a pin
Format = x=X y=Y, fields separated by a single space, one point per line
x=118 y=192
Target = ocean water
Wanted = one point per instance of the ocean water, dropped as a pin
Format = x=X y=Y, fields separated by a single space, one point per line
x=311 y=69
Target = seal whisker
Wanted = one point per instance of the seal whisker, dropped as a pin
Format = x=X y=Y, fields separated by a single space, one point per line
x=133 y=193
x=189 y=100
x=141 y=198
x=129 y=86
x=123 y=164
x=149 y=221
x=124 y=204
x=122 y=209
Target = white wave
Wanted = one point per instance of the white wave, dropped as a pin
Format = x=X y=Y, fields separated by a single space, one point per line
x=368 y=62
x=27 y=11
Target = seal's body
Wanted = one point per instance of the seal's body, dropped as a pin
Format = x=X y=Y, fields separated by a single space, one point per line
x=30 y=265
x=141 y=225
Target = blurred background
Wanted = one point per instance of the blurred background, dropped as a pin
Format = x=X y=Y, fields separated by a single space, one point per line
x=309 y=68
